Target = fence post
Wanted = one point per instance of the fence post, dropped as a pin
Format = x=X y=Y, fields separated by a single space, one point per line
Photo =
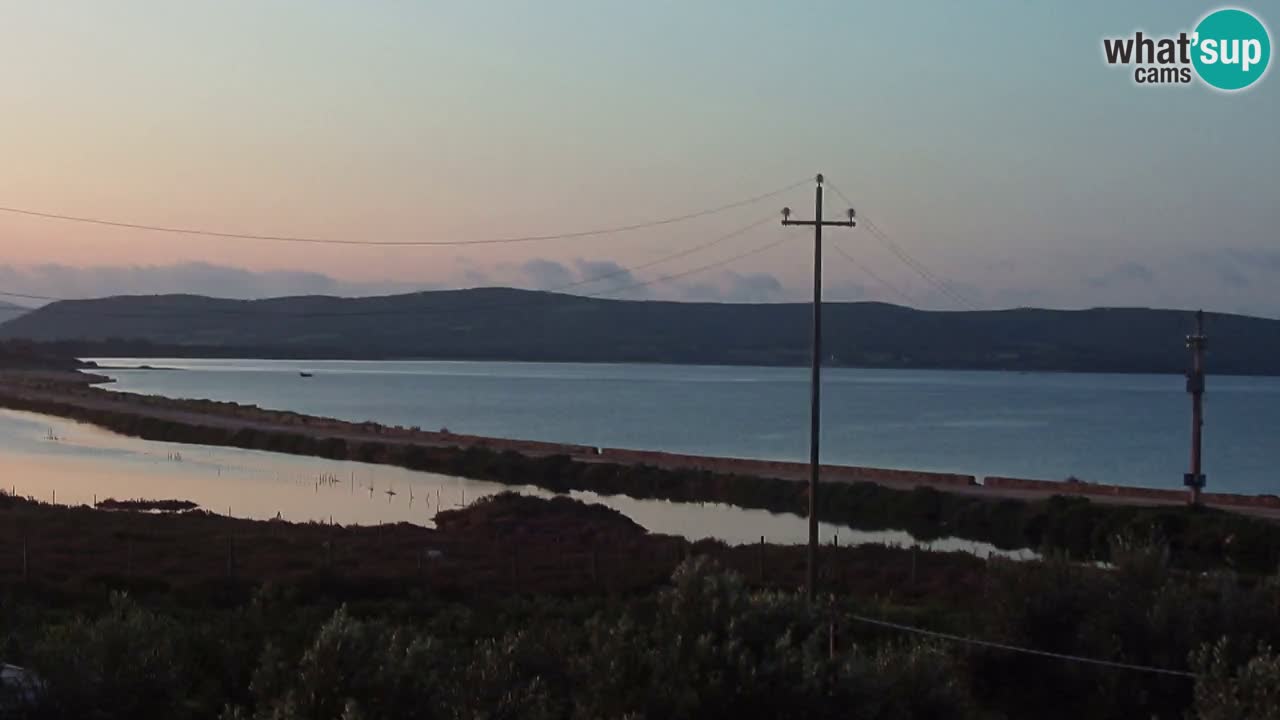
x=26 y=566
x=595 y=566
x=831 y=634
x=760 y=558
x=231 y=556
x=913 y=563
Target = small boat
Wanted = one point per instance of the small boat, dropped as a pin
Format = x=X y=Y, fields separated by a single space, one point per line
x=305 y=374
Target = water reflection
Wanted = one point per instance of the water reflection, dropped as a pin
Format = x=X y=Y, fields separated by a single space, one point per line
x=53 y=459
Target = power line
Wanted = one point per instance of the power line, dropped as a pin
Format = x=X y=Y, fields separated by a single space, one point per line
x=938 y=283
x=427 y=311
x=930 y=277
x=405 y=243
x=666 y=258
x=907 y=259
x=34 y=297
x=1017 y=649
x=677 y=276
x=873 y=275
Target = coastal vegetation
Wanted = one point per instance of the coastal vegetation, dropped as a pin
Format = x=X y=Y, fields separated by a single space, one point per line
x=139 y=504
x=702 y=636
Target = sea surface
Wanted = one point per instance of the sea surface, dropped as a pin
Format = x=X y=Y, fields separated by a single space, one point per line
x=60 y=461
x=1124 y=429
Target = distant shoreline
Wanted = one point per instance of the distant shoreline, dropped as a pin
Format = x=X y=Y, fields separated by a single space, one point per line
x=250 y=358
x=137 y=367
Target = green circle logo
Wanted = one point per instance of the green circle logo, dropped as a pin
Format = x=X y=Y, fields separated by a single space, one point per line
x=1232 y=49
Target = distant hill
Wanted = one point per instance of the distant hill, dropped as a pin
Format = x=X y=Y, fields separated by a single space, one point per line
x=506 y=324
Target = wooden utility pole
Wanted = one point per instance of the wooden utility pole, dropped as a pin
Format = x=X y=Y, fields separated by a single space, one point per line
x=815 y=382
x=1194 y=480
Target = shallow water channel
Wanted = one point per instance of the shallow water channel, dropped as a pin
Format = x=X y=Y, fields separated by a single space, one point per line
x=57 y=460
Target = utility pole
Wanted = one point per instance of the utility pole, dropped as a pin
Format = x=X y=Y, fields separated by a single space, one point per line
x=815 y=382
x=1194 y=480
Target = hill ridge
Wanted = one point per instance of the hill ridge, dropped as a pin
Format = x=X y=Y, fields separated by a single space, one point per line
x=515 y=324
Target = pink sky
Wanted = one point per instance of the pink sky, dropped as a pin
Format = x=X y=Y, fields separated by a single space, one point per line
x=404 y=121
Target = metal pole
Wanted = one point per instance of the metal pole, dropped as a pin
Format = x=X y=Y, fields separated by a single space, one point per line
x=815 y=385
x=815 y=398
x=1195 y=479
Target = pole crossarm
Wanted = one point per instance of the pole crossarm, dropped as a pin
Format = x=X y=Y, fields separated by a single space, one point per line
x=824 y=223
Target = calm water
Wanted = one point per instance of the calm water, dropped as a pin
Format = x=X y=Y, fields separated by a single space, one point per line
x=1128 y=429
x=56 y=460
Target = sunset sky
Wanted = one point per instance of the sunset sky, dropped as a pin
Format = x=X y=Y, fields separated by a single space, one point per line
x=988 y=138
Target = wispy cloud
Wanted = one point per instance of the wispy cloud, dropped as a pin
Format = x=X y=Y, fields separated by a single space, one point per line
x=191 y=278
x=1125 y=272
x=736 y=287
x=608 y=274
x=1264 y=260
x=547 y=274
